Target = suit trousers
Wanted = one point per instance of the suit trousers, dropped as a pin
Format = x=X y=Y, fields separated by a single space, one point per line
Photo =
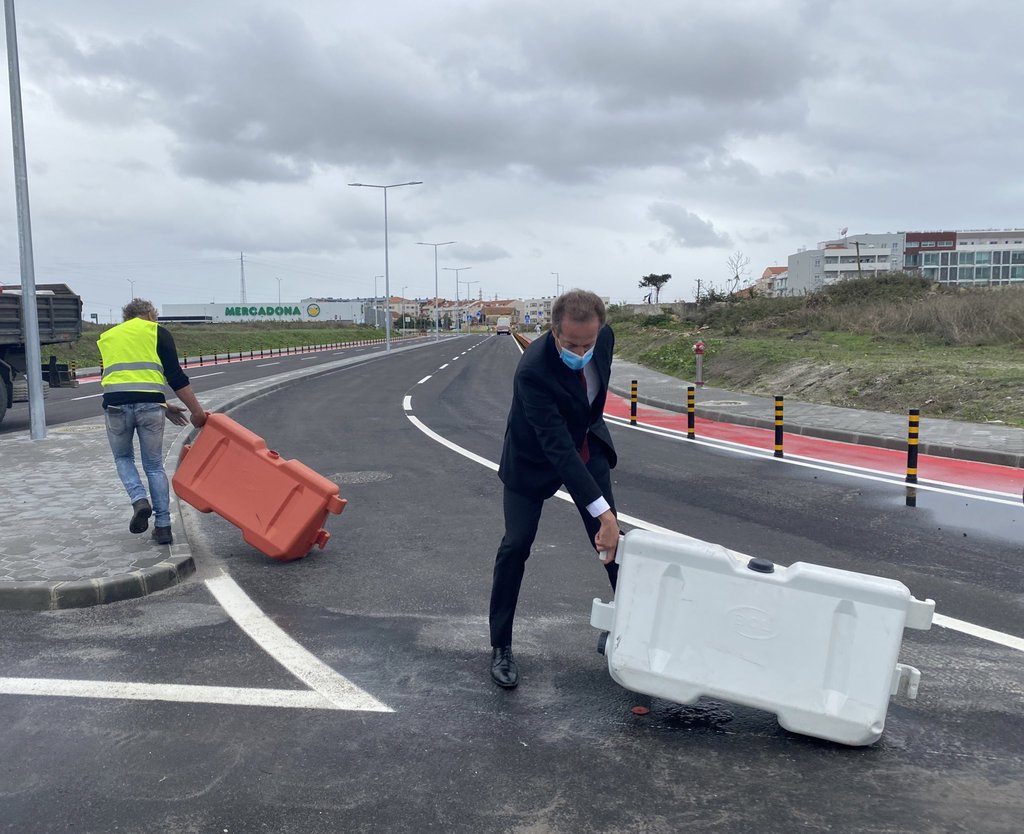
x=522 y=517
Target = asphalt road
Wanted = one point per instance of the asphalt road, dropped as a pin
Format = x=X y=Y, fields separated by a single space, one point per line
x=397 y=604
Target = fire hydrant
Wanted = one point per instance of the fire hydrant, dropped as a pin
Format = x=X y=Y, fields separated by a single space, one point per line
x=698 y=350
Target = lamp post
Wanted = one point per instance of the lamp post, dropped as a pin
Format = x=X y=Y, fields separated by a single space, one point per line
x=402 y=319
x=132 y=283
x=278 y=291
x=467 y=283
x=437 y=320
x=457 y=270
x=387 y=269
x=558 y=287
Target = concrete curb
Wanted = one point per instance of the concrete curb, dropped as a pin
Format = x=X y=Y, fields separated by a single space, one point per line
x=180 y=563
x=943 y=450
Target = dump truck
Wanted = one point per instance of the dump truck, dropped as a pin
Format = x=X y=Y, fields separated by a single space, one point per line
x=60 y=320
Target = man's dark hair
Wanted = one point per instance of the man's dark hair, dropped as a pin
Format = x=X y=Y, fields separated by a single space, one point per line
x=137 y=307
x=576 y=305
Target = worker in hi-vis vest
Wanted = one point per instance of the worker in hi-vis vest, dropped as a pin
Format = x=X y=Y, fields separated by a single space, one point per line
x=139 y=360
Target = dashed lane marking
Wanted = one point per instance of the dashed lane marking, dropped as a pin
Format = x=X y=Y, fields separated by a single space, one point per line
x=267 y=364
x=424 y=379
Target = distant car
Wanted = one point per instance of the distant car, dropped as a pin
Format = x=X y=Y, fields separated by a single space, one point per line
x=504 y=325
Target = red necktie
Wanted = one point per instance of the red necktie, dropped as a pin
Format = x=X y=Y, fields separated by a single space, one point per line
x=585 y=448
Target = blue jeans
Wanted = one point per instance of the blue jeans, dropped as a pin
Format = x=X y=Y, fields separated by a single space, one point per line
x=123 y=421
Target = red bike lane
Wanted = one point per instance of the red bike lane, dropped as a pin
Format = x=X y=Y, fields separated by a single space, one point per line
x=1003 y=479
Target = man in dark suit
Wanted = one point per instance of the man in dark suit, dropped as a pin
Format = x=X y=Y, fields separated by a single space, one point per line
x=555 y=435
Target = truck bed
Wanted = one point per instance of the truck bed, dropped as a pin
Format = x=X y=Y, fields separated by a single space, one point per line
x=59 y=309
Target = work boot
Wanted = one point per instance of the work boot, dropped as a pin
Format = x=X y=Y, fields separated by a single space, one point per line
x=162 y=535
x=140 y=518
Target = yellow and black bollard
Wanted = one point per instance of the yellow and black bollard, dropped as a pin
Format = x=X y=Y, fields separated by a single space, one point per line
x=691 y=412
x=74 y=369
x=632 y=403
x=913 y=426
x=778 y=427
x=184 y=361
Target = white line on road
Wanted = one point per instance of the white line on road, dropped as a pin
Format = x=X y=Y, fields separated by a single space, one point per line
x=266 y=364
x=1003 y=639
x=203 y=376
x=235 y=696
x=307 y=358
x=445 y=365
x=89 y=397
x=424 y=379
x=300 y=662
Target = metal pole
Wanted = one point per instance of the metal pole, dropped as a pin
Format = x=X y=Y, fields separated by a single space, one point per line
x=690 y=412
x=29 y=312
x=913 y=430
x=387 y=277
x=779 y=402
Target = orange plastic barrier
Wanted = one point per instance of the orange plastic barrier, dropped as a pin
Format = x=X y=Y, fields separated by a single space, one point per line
x=279 y=505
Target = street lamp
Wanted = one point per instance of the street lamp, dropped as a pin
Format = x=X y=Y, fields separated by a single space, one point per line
x=558 y=287
x=467 y=283
x=457 y=270
x=387 y=269
x=278 y=291
x=437 y=320
x=132 y=282
x=402 y=319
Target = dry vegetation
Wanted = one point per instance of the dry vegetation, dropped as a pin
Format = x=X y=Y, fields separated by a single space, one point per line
x=885 y=343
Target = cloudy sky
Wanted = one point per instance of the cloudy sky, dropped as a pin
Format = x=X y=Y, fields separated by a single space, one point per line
x=598 y=140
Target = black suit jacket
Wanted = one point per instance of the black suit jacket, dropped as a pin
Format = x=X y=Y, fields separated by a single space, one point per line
x=549 y=418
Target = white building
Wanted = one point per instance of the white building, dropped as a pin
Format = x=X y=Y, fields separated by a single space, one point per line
x=974 y=258
x=835 y=260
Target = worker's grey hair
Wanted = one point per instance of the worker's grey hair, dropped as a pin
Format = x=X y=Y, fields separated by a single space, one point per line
x=576 y=305
x=137 y=307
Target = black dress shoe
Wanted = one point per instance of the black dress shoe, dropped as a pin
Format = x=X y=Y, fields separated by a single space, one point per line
x=504 y=671
x=141 y=511
x=162 y=535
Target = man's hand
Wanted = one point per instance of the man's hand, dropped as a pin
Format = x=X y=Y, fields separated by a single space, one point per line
x=607 y=539
x=176 y=414
x=198 y=418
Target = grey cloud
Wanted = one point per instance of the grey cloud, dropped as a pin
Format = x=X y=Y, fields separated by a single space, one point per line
x=685 y=228
x=479 y=252
x=270 y=88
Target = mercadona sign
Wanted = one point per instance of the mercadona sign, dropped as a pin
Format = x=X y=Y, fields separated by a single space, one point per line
x=262 y=311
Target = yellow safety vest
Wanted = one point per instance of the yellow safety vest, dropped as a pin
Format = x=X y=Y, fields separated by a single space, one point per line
x=130 y=360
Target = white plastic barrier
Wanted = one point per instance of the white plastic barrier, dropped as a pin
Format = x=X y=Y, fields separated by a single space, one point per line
x=814 y=645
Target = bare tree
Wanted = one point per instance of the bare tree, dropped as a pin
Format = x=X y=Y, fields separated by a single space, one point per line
x=738 y=268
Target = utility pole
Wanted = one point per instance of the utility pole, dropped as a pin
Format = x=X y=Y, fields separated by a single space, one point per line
x=241 y=263
x=857 y=244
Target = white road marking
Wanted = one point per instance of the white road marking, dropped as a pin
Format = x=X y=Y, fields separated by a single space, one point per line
x=267 y=364
x=307 y=358
x=424 y=379
x=203 y=376
x=285 y=650
x=445 y=365
x=293 y=698
x=89 y=397
x=852 y=471
x=1003 y=639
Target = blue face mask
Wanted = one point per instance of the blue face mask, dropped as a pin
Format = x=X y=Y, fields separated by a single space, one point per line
x=574 y=361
